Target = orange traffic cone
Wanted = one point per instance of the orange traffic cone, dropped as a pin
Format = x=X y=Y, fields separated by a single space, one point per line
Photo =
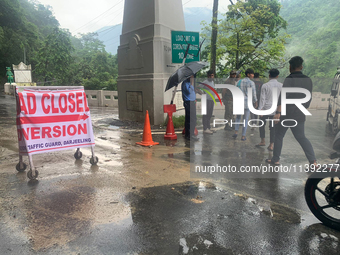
x=170 y=130
x=147 y=137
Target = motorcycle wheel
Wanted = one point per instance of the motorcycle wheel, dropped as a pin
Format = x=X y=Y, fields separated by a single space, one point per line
x=318 y=191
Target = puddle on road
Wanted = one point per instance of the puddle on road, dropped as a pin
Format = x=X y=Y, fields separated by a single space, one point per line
x=59 y=217
x=110 y=208
x=203 y=219
x=319 y=239
x=196 y=244
x=274 y=211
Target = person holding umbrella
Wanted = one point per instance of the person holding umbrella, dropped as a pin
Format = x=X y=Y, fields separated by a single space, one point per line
x=186 y=74
x=189 y=99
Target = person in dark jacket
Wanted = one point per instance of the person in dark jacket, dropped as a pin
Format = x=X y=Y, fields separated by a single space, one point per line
x=296 y=79
x=258 y=86
x=227 y=99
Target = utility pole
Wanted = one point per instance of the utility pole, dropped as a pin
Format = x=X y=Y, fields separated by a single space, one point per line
x=237 y=62
x=214 y=37
x=24 y=55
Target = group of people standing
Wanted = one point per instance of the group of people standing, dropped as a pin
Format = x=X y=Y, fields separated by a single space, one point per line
x=262 y=97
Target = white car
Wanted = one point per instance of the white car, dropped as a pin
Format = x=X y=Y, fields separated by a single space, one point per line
x=333 y=113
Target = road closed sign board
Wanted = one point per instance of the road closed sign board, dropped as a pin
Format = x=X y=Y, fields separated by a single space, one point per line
x=180 y=40
x=52 y=118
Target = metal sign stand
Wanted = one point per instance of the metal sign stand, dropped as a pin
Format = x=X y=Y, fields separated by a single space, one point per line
x=32 y=174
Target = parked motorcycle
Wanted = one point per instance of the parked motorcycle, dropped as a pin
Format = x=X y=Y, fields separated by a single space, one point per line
x=322 y=190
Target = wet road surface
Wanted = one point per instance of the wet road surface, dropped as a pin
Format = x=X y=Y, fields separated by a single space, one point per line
x=150 y=201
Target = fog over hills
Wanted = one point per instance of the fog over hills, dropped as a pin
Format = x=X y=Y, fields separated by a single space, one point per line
x=192 y=16
x=312 y=24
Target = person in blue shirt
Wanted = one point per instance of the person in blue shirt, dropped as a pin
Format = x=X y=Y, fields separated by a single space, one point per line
x=189 y=102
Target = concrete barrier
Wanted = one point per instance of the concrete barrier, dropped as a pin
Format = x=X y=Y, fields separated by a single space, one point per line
x=102 y=98
x=105 y=98
x=319 y=101
x=9 y=88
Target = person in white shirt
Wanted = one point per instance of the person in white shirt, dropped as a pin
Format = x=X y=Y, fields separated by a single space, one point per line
x=244 y=84
x=266 y=101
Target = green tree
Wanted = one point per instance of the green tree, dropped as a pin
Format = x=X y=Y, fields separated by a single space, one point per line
x=22 y=30
x=28 y=30
x=94 y=68
x=250 y=36
x=39 y=15
x=14 y=29
x=54 y=58
x=315 y=30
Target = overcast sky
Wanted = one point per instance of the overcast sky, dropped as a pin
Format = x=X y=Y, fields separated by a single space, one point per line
x=90 y=15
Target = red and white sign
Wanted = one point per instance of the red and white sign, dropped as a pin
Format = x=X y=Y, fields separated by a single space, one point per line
x=51 y=119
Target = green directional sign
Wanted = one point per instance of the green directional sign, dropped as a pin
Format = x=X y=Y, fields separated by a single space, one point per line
x=179 y=43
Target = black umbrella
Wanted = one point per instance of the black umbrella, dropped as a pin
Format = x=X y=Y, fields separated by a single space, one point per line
x=184 y=72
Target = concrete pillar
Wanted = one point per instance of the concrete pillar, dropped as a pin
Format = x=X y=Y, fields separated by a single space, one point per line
x=100 y=98
x=144 y=57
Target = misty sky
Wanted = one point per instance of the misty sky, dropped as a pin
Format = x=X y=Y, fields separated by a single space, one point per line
x=88 y=16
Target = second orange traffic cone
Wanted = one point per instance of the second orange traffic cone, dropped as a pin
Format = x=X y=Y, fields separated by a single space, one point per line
x=195 y=133
x=147 y=137
x=170 y=130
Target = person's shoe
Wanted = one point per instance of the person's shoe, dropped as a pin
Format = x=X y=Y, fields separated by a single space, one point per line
x=269 y=161
x=208 y=131
x=313 y=165
x=234 y=135
x=212 y=130
x=194 y=139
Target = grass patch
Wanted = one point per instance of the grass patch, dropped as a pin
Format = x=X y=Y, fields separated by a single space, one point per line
x=177 y=120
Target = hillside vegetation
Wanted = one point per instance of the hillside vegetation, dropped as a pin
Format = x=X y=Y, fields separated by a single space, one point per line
x=315 y=35
x=28 y=30
x=30 y=33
